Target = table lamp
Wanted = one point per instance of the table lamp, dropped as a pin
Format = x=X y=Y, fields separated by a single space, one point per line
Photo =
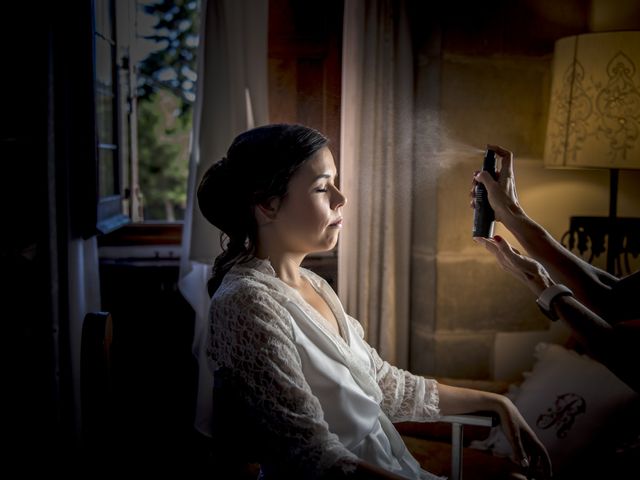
x=594 y=122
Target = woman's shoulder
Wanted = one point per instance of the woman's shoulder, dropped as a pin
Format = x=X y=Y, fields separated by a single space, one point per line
x=242 y=290
x=237 y=282
x=250 y=292
x=251 y=276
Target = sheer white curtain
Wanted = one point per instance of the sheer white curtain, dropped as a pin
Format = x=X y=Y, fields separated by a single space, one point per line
x=84 y=297
x=376 y=171
x=232 y=97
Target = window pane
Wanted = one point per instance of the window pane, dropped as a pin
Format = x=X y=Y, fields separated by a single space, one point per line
x=104 y=116
x=106 y=165
x=104 y=63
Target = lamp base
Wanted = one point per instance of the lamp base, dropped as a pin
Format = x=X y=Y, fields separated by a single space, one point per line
x=592 y=236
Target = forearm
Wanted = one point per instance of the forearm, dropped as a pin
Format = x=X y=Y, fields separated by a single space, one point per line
x=593 y=332
x=616 y=349
x=589 y=326
x=458 y=400
x=589 y=284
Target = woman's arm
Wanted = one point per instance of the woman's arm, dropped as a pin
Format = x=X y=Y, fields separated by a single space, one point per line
x=589 y=328
x=406 y=397
x=615 y=346
x=409 y=397
x=529 y=452
x=590 y=284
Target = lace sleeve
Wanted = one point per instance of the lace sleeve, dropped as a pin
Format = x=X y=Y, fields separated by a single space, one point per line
x=406 y=397
x=251 y=336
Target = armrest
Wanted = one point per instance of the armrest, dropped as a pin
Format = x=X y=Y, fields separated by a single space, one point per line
x=480 y=419
x=483 y=419
x=477 y=427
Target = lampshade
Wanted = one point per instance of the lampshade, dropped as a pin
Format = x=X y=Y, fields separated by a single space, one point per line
x=594 y=114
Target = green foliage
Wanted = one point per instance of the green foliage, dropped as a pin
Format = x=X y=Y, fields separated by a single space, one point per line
x=163 y=156
x=166 y=91
x=173 y=67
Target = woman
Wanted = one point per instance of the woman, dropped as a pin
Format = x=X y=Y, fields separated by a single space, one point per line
x=316 y=399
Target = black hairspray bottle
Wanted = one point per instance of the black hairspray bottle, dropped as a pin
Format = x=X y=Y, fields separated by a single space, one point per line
x=483 y=215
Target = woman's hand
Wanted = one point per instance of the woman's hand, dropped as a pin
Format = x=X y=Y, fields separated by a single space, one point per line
x=502 y=193
x=525 y=269
x=528 y=450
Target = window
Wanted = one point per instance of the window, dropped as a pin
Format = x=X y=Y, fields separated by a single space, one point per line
x=110 y=85
x=166 y=41
x=144 y=87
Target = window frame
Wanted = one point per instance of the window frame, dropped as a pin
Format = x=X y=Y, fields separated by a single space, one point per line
x=117 y=221
x=110 y=208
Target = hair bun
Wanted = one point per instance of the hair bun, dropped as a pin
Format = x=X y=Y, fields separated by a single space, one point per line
x=217 y=196
x=222 y=163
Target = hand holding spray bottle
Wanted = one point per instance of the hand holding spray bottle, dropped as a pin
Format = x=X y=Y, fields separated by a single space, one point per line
x=483 y=214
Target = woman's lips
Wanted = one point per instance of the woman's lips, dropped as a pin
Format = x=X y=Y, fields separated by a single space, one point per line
x=337 y=223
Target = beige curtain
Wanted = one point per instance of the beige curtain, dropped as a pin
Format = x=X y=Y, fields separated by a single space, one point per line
x=232 y=97
x=376 y=165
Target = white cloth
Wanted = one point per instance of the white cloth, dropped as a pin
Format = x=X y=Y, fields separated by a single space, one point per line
x=326 y=398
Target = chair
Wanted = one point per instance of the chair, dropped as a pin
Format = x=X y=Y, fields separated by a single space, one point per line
x=97 y=408
x=242 y=464
x=96 y=385
x=480 y=419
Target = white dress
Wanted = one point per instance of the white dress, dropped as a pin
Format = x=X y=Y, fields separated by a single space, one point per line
x=323 y=399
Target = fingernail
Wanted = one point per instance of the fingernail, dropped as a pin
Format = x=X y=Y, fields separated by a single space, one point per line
x=497 y=238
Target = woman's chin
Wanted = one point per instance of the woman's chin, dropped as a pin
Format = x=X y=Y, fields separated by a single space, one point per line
x=326 y=246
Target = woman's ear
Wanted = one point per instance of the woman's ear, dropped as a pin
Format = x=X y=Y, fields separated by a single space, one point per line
x=266 y=212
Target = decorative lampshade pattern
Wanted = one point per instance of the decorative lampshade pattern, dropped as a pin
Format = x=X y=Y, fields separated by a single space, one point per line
x=594 y=114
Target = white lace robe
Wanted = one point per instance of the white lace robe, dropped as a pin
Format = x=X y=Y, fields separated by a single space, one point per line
x=322 y=399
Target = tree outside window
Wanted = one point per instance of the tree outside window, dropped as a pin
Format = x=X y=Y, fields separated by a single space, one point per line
x=166 y=72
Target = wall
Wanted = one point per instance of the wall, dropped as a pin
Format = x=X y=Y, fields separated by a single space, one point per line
x=483 y=76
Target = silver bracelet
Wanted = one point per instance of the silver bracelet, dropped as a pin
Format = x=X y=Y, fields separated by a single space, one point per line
x=548 y=296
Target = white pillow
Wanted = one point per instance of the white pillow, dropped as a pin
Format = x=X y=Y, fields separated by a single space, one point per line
x=569 y=400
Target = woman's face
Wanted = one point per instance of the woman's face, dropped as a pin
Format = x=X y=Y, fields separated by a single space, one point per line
x=309 y=218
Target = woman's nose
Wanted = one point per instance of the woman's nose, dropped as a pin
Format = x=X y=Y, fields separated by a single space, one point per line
x=339 y=199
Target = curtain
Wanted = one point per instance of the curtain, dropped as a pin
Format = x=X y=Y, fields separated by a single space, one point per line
x=84 y=297
x=232 y=97
x=376 y=172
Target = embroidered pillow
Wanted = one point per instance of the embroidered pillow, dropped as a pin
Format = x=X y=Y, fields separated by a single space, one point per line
x=570 y=401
